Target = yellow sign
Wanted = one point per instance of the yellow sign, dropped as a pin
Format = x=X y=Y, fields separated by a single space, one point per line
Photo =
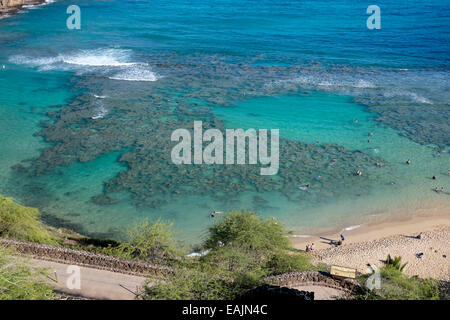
x=343 y=272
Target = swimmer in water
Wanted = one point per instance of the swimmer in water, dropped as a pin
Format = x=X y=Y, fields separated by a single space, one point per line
x=408 y=161
x=437 y=190
x=213 y=214
x=359 y=173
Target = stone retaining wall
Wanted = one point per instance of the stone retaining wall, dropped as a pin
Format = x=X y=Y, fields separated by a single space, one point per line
x=307 y=278
x=84 y=258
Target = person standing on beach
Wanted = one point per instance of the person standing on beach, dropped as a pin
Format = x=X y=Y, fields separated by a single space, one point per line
x=342 y=237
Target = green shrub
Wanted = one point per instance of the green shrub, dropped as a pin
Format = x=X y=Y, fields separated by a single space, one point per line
x=152 y=242
x=247 y=230
x=19 y=282
x=229 y=259
x=282 y=262
x=22 y=223
x=243 y=249
x=188 y=284
x=397 y=286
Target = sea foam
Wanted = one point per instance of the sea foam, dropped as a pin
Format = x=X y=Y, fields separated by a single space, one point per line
x=116 y=64
x=135 y=74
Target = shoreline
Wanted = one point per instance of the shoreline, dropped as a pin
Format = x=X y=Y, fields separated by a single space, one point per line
x=13 y=7
x=369 y=231
x=371 y=243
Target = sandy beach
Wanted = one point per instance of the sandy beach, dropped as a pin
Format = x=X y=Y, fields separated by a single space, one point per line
x=373 y=242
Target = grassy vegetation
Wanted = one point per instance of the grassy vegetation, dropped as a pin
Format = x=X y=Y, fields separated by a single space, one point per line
x=395 y=263
x=19 y=282
x=22 y=223
x=242 y=250
x=152 y=242
x=395 y=285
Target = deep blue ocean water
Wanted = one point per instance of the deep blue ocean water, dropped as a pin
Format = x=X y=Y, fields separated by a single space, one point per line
x=79 y=108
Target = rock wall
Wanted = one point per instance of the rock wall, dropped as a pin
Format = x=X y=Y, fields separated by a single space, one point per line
x=84 y=258
x=294 y=279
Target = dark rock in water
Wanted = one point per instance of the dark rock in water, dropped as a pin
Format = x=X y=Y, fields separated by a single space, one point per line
x=140 y=126
x=278 y=293
x=103 y=200
x=18 y=167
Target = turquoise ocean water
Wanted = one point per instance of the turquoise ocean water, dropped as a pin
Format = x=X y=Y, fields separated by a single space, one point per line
x=86 y=115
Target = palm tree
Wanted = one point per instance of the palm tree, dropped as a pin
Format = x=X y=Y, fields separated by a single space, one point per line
x=395 y=263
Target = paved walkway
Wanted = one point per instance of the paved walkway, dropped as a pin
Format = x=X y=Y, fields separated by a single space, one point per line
x=95 y=283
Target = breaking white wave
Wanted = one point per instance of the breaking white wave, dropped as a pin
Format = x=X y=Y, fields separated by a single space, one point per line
x=101 y=113
x=300 y=236
x=116 y=64
x=36 y=6
x=135 y=74
x=418 y=87
x=86 y=58
x=418 y=98
x=414 y=97
x=100 y=58
x=352 y=227
x=332 y=81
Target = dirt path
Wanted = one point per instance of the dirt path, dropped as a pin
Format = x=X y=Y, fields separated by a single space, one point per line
x=94 y=283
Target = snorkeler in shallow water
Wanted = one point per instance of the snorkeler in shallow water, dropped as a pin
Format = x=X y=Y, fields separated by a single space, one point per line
x=213 y=214
x=438 y=190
